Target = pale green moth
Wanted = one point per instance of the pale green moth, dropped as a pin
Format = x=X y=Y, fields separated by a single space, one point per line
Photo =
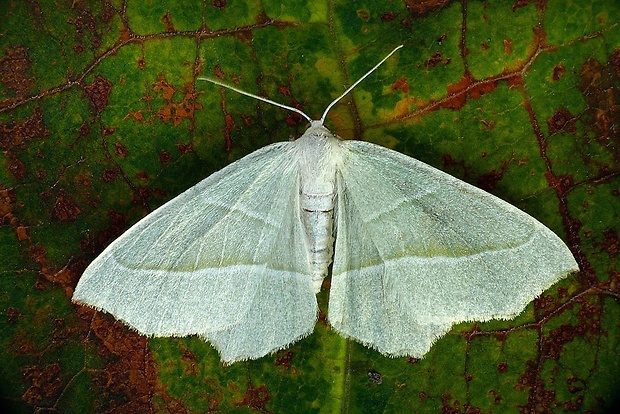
x=238 y=258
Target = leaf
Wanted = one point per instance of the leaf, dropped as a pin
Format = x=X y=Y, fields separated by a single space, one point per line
x=102 y=120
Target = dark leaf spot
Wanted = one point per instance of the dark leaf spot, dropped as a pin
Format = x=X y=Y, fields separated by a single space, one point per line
x=401 y=84
x=552 y=345
x=13 y=314
x=497 y=399
x=284 y=90
x=364 y=15
x=184 y=148
x=85 y=23
x=45 y=382
x=172 y=111
x=83 y=180
x=142 y=176
x=7 y=200
x=520 y=3
x=562 y=183
x=98 y=93
x=436 y=59
x=487 y=181
x=611 y=243
x=14 y=67
x=107 y=131
x=19 y=134
x=375 y=377
x=16 y=167
x=167 y=21
x=515 y=81
x=562 y=121
x=246 y=36
x=501 y=336
x=558 y=72
x=614 y=281
x=388 y=17
x=255 y=397
x=79 y=48
x=188 y=355
x=137 y=115
x=109 y=175
x=41 y=174
x=293 y=119
x=614 y=60
x=412 y=360
x=141 y=63
x=84 y=130
x=502 y=367
x=573 y=406
x=599 y=87
x=285 y=360
x=164 y=157
x=247 y=120
x=448 y=161
x=142 y=195
x=464 y=88
x=217 y=70
x=64 y=208
x=22 y=233
x=120 y=150
x=420 y=8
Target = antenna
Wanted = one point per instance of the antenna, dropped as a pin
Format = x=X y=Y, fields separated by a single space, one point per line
x=260 y=98
x=290 y=108
x=357 y=83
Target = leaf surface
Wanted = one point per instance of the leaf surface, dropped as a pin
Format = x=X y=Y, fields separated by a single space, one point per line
x=102 y=120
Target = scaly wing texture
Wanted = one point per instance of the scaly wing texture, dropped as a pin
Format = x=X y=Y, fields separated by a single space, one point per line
x=225 y=260
x=418 y=250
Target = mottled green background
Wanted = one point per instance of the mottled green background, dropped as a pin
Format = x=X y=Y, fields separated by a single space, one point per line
x=102 y=120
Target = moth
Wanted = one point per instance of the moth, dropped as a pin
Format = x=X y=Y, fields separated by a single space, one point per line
x=238 y=258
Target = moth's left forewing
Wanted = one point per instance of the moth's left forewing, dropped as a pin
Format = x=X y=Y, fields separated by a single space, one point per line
x=418 y=250
x=225 y=260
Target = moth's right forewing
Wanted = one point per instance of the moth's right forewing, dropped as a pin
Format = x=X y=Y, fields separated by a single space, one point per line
x=418 y=250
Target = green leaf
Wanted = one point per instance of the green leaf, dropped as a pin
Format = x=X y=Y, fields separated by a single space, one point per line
x=102 y=120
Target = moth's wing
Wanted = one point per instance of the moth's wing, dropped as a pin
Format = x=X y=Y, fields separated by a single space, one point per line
x=225 y=260
x=418 y=250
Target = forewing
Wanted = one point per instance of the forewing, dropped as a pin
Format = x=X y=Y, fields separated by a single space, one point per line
x=226 y=260
x=418 y=250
